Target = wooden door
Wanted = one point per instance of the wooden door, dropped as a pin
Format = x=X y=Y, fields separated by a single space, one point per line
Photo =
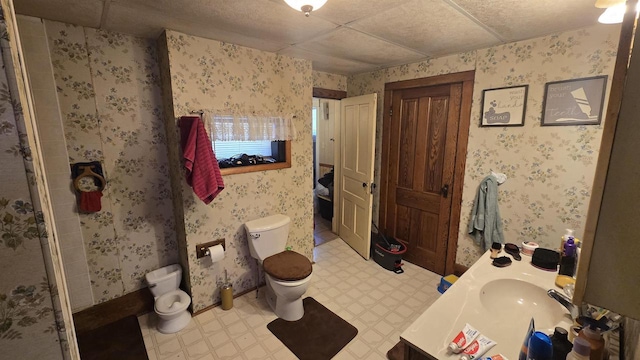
x=420 y=171
x=358 y=131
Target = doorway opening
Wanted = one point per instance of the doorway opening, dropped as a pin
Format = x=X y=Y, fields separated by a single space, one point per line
x=325 y=117
x=347 y=150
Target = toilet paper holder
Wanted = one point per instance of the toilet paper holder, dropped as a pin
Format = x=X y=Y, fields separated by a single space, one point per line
x=202 y=250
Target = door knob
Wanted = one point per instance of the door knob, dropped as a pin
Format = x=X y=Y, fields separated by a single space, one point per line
x=364 y=185
x=445 y=191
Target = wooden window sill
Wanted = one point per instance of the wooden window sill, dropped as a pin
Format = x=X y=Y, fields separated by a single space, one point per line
x=254 y=168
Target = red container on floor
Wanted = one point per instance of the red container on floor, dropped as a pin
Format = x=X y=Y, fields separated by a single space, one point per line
x=390 y=260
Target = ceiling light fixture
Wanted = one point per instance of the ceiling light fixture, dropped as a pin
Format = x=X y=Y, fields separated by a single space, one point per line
x=604 y=4
x=614 y=11
x=306 y=6
x=613 y=15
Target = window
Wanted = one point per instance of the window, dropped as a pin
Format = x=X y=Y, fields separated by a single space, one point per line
x=314 y=117
x=227 y=149
x=251 y=143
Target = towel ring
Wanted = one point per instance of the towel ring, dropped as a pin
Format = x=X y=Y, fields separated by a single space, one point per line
x=87 y=172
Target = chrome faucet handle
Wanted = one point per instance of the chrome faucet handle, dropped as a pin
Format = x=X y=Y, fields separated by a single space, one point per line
x=565 y=301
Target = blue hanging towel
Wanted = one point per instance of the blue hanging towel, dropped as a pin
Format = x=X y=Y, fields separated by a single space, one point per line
x=485 y=224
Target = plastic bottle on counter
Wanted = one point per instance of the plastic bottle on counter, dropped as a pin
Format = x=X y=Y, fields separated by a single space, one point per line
x=596 y=342
x=568 y=235
x=581 y=350
x=561 y=344
x=568 y=258
x=540 y=347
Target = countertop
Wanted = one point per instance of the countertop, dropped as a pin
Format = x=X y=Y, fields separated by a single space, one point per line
x=501 y=310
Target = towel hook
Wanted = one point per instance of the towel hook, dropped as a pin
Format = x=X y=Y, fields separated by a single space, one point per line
x=199 y=112
x=500 y=177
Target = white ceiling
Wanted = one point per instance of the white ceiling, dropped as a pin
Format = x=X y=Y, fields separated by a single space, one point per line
x=344 y=36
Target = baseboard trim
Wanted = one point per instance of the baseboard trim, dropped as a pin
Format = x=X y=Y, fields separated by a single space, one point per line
x=234 y=296
x=135 y=303
x=459 y=269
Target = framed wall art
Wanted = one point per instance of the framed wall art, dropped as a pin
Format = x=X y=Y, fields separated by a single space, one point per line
x=504 y=106
x=574 y=102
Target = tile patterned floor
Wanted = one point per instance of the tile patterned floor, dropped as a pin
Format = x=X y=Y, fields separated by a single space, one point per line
x=322 y=230
x=379 y=303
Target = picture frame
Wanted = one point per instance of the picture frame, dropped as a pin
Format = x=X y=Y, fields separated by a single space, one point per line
x=505 y=106
x=574 y=102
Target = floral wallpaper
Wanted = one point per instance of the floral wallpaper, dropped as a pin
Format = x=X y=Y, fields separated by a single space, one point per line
x=110 y=99
x=550 y=169
x=29 y=303
x=211 y=75
x=330 y=81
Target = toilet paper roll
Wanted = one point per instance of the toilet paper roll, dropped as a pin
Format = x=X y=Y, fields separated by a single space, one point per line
x=216 y=253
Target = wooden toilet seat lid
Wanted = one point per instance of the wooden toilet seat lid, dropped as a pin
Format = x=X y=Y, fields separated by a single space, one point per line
x=287 y=266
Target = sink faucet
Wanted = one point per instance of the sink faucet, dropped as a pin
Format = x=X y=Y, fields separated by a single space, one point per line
x=574 y=310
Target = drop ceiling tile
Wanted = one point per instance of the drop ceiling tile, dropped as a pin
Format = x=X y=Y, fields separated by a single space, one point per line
x=353 y=45
x=517 y=20
x=430 y=26
x=262 y=19
x=79 y=12
x=125 y=18
x=323 y=62
x=342 y=68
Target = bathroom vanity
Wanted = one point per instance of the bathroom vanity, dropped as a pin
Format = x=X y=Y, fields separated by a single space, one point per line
x=499 y=302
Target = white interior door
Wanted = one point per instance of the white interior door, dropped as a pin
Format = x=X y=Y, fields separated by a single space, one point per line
x=316 y=115
x=325 y=130
x=357 y=131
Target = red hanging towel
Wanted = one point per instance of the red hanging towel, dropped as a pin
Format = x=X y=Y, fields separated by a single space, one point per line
x=203 y=172
x=90 y=201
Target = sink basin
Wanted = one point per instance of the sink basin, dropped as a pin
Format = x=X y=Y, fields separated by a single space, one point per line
x=499 y=302
x=517 y=300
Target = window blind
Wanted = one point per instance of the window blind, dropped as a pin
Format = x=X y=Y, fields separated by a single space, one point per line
x=227 y=149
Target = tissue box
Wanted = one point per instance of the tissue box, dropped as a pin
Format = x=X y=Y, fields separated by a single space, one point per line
x=446 y=282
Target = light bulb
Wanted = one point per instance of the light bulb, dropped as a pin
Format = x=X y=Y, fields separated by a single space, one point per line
x=613 y=15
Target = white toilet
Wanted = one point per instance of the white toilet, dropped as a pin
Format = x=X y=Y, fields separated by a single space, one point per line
x=287 y=273
x=171 y=303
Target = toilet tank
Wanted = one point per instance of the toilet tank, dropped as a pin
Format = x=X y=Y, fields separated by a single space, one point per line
x=165 y=279
x=267 y=236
